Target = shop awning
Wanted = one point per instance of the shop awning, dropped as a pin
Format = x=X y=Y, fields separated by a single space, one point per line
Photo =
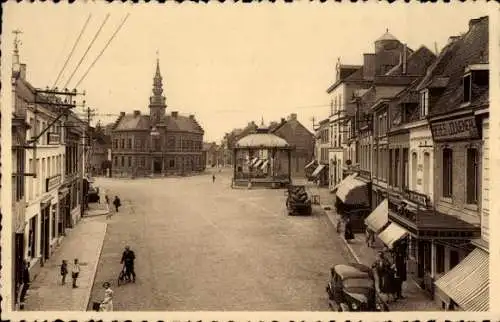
x=379 y=217
x=318 y=170
x=264 y=165
x=392 y=234
x=352 y=191
x=258 y=163
x=253 y=161
x=310 y=164
x=468 y=283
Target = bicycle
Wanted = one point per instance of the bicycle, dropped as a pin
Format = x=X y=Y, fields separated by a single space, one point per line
x=124 y=276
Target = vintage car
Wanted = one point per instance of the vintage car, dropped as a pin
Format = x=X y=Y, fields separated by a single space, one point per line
x=352 y=288
x=298 y=201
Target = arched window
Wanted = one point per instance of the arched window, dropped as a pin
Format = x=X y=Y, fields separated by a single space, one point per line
x=414 y=160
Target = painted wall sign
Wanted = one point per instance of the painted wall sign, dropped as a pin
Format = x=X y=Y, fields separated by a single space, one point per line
x=53 y=182
x=462 y=128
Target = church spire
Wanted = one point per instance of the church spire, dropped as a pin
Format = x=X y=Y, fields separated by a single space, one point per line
x=157 y=102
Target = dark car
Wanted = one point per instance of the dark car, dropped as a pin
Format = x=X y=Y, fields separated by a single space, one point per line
x=352 y=288
x=93 y=194
x=298 y=201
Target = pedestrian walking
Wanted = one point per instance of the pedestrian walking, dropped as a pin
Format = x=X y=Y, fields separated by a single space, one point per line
x=117 y=203
x=370 y=237
x=25 y=278
x=213 y=178
x=106 y=197
x=64 y=271
x=128 y=258
x=75 y=272
x=348 y=234
x=107 y=302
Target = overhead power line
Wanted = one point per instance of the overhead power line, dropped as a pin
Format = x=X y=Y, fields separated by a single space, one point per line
x=86 y=52
x=102 y=51
x=72 y=50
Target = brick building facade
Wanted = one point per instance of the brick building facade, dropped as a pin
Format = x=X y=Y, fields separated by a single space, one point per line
x=156 y=144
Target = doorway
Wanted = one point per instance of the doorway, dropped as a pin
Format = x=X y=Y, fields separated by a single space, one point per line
x=157 y=165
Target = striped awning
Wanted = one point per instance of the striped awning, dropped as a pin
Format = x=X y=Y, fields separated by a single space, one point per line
x=379 y=217
x=258 y=163
x=353 y=191
x=318 y=170
x=392 y=234
x=264 y=165
x=468 y=283
x=253 y=161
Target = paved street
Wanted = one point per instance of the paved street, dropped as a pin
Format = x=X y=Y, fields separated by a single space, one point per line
x=204 y=246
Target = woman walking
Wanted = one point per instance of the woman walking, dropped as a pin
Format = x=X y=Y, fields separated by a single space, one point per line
x=64 y=271
x=107 y=303
x=117 y=203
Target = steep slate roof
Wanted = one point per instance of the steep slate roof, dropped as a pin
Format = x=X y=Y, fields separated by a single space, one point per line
x=470 y=48
x=182 y=124
x=131 y=122
x=415 y=63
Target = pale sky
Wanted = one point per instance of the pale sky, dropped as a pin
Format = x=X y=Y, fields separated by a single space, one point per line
x=227 y=64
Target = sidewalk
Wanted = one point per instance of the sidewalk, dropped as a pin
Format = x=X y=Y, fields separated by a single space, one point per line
x=98 y=209
x=415 y=299
x=46 y=292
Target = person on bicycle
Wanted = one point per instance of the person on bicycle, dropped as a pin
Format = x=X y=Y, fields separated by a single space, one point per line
x=128 y=259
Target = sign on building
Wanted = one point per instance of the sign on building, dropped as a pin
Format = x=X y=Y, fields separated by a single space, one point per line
x=53 y=138
x=456 y=129
x=53 y=182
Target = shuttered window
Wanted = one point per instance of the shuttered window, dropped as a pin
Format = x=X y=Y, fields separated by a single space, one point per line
x=447 y=172
x=472 y=176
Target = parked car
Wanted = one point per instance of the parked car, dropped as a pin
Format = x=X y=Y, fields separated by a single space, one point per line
x=93 y=194
x=352 y=288
x=298 y=201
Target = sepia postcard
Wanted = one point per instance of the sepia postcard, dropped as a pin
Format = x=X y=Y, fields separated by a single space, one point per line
x=249 y=161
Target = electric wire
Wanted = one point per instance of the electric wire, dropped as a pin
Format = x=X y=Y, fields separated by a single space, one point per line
x=88 y=48
x=102 y=51
x=72 y=51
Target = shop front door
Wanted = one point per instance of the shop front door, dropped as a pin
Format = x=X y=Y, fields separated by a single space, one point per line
x=157 y=165
x=45 y=232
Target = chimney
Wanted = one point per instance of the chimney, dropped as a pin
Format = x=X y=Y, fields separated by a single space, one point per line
x=283 y=120
x=368 y=65
x=22 y=71
x=452 y=39
x=404 y=59
x=191 y=117
x=293 y=116
x=137 y=113
x=174 y=114
x=122 y=113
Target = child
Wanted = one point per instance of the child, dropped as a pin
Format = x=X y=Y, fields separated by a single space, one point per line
x=117 y=203
x=64 y=271
x=75 y=271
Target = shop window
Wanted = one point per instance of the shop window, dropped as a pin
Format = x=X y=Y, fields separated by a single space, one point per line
x=472 y=176
x=467 y=88
x=171 y=163
x=439 y=259
x=454 y=258
x=129 y=161
x=122 y=163
x=447 y=172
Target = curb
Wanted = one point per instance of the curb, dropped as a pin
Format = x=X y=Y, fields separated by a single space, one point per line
x=94 y=273
x=349 y=247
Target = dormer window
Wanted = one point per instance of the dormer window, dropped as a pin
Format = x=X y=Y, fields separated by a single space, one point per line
x=467 y=88
x=424 y=103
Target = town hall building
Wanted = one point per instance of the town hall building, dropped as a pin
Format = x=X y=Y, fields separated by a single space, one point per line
x=156 y=144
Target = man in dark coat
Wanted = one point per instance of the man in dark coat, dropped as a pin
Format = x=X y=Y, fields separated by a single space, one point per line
x=128 y=258
x=117 y=203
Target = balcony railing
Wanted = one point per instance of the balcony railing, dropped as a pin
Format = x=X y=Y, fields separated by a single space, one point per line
x=398 y=203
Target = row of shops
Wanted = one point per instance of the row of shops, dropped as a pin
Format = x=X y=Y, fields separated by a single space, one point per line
x=417 y=162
